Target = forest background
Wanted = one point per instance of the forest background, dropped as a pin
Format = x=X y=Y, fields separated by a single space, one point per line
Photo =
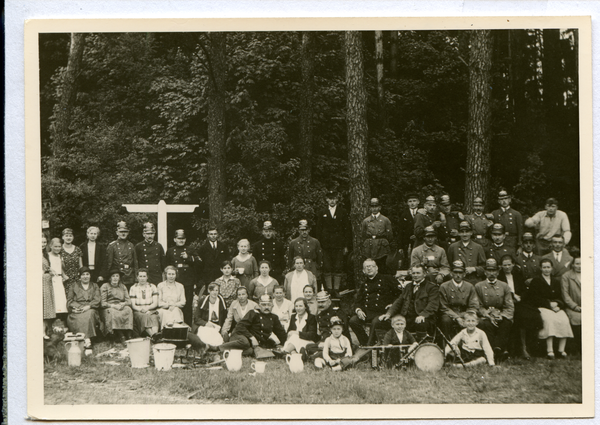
x=259 y=125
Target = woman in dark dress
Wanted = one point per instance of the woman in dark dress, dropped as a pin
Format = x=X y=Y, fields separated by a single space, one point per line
x=83 y=302
x=527 y=317
x=545 y=294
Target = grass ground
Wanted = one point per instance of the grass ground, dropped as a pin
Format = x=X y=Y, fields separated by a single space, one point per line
x=514 y=381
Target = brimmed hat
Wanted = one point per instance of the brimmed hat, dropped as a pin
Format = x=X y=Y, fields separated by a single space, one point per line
x=445 y=200
x=303 y=225
x=322 y=296
x=478 y=201
x=267 y=225
x=458 y=265
x=412 y=196
x=464 y=225
x=528 y=236
x=497 y=228
x=374 y=202
x=84 y=269
x=122 y=227
x=335 y=320
x=503 y=194
x=430 y=231
x=491 y=264
x=115 y=271
x=149 y=228
x=430 y=199
x=179 y=234
x=332 y=194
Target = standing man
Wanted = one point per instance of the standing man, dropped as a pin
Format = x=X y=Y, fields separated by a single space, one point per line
x=496 y=309
x=376 y=232
x=470 y=253
x=307 y=247
x=120 y=255
x=212 y=254
x=335 y=235
x=94 y=255
x=271 y=250
x=457 y=297
x=453 y=220
x=480 y=223
x=373 y=298
x=560 y=257
x=186 y=260
x=151 y=255
x=418 y=303
x=406 y=240
x=510 y=219
x=429 y=216
x=527 y=260
x=498 y=248
x=431 y=257
x=548 y=223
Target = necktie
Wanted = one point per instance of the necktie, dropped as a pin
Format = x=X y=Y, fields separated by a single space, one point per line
x=214 y=245
x=556 y=255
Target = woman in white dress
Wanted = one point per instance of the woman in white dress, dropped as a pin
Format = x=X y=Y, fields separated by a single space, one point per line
x=296 y=280
x=282 y=307
x=171 y=298
x=56 y=268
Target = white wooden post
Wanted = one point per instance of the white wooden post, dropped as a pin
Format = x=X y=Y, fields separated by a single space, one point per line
x=162 y=209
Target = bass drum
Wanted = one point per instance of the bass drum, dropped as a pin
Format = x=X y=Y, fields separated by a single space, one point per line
x=429 y=357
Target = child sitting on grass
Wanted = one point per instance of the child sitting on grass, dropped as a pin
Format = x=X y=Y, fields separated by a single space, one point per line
x=398 y=335
x=471 y=344
x=337 y=350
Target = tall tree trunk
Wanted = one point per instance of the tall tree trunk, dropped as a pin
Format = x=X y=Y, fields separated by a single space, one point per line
x=380 y=89
x=68 y=96
x=552 y=79
x=479 y=126
x=356 y=121
x=394 y=53
x=216 y=128
x=306 y=105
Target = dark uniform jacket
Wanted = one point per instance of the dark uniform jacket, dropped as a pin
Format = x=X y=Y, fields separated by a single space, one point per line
x=376 y=233
x=151 y=256
x=334 y=232
x=212 y=259
x=513 y=224
x=480 y=225
x=425 y=302
x=497 y=252
x=424 y=220
x=186 y=267
x=472 y=255
x=530 y=266
x=406 y=229
x=497 y=295
x=323 y=321
x=272 y=251
x=376 y=294
x=455 y=300
x=260 y=326
x=99 y=260
x=310 y=250
x=120 y=254
x=309 y=331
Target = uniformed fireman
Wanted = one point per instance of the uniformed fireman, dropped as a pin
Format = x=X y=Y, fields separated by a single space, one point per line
x=186 y=260
x=151 y=255
x=480 y=223
x=470 y=253
x=453 y=220
x=271 y=250
x=429 y=216
x=308 y=248
x=510 y=219
x=376 y=232
x=120 y=254
x=528 y=262
x=499 y=248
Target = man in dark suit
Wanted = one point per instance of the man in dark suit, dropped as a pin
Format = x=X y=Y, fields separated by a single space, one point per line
x=419 y=303
x=212 y=253
x=560 y=257
x=94 y=255
x=335 y=235
x=271 y=250
x=406 y=239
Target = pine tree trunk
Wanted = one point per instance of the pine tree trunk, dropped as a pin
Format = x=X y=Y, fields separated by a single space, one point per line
x=356 y=121
x=393 y=53
x=479 y=126
x=306 y=105
x=216 y=129
x=68 y=96
x=552 y=78
x=380 y=88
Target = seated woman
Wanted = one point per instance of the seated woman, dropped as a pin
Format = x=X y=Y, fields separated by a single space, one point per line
x=263 y=284
x=311 y=299
x=545 y=294
x=527 y=318
x=227 y=283
x=296 y=280
x=171 y=298
x=302 y=330
x=116 y=313
x=83 y=302
x=238 y=309
x=144 y=302
x=211 y=312
x=282 y=307
x=571 y=292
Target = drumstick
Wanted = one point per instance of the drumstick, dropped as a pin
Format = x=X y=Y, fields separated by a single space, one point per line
x=413 y=350
x=448 y=342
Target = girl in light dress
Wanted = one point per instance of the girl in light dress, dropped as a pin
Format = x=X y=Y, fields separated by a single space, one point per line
x=56 y=271
x=244 y=264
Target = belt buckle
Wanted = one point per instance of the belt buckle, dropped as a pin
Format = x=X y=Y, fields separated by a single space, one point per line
x=180 y=265
x=374 y=236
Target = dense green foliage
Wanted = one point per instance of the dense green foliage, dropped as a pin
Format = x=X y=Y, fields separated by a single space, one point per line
x=138 y=132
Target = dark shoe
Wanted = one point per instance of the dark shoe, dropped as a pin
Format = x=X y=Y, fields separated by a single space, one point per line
x=526 y=355
x=562 y=355
x=550 y=356
x=304 y=355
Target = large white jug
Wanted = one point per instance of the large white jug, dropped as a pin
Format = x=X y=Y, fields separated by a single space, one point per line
x=233 y=359
x=295 y=363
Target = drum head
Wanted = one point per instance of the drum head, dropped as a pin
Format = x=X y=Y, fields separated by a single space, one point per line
x=210 y=336
x=429 y=357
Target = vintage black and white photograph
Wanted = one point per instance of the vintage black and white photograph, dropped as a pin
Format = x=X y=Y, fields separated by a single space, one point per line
x=380 y=214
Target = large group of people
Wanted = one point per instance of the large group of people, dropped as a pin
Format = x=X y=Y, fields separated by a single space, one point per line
x=481 y=285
